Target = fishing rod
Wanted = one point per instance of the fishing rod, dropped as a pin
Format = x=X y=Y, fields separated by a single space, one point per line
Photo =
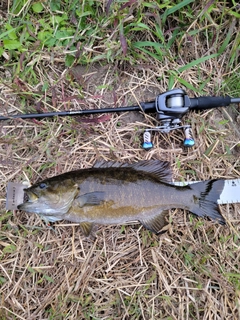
x=170 y=107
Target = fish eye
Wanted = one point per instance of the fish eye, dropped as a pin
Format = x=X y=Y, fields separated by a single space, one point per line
x=42 y=185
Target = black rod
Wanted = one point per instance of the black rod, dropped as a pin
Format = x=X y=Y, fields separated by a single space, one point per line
x=200 y=103
x=145 y=106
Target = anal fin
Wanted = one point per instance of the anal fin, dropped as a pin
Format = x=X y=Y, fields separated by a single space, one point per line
x=157 y=223
x=86 y=228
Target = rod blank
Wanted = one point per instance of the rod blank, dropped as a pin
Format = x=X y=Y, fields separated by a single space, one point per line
x=200 y=103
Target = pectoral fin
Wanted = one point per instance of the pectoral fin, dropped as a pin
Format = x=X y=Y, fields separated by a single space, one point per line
x=86 y=228
x=90 y=199
x=157 y=223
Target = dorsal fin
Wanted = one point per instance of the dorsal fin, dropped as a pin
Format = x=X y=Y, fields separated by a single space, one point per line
x=158 y=168
x=109 y=164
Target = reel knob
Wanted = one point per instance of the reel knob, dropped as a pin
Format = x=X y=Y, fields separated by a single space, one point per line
x=188 y=141
x=147 y=144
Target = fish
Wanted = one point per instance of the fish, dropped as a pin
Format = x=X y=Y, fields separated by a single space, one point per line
x=118 y=193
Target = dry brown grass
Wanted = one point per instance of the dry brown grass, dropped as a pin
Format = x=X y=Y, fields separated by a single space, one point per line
x=127 y=273
x=190 y=272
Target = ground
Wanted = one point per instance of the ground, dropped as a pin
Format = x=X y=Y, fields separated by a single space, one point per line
x=121 y=53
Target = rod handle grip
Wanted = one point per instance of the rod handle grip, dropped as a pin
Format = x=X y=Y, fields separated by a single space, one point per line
x=204 y=103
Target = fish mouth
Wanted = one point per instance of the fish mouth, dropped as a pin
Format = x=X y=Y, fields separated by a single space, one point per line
x=28 y=198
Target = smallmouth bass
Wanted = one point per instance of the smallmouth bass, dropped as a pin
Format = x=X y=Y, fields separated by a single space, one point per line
x=116 y=193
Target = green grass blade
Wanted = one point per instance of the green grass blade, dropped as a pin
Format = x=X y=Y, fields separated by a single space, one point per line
x=197 y=61
x=2 y=35
x=142 y=44
x=151 y=54
x=175 y=8
x=157 y=46
x=228 y=38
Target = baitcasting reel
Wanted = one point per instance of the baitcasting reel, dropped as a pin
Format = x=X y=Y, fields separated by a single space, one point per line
x=171 y=106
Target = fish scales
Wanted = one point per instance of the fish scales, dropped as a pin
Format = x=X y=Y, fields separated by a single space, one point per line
x=131 y=198
x=116 y=193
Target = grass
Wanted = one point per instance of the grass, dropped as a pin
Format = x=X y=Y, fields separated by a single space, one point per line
x=62 y=55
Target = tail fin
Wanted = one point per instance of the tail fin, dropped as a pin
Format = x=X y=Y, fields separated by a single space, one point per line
x=206 y=194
